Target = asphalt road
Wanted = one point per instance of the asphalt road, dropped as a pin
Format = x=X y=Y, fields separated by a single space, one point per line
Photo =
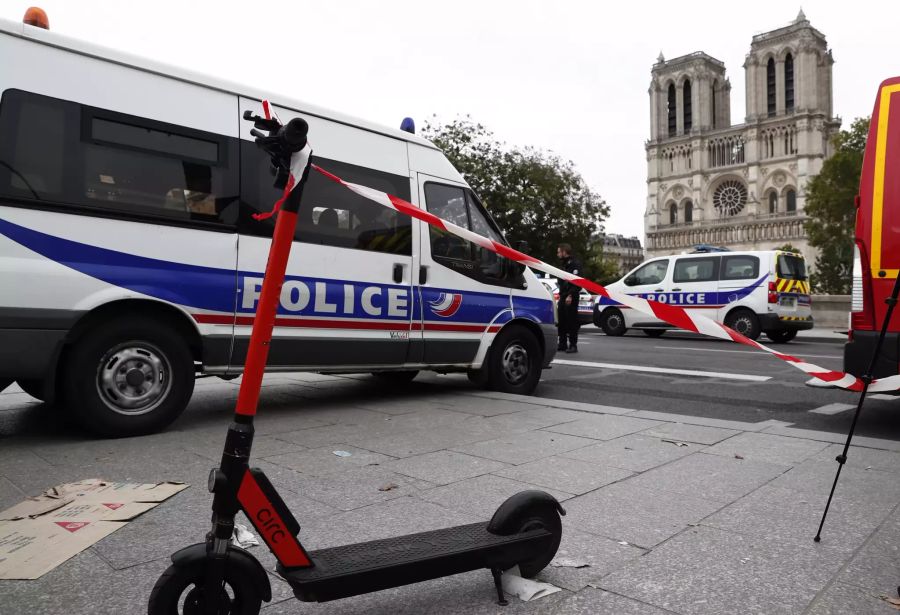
x=783 y=394
x=719 y=380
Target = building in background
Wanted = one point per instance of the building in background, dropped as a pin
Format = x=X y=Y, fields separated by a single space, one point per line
x=739 y=186
x=626 y=252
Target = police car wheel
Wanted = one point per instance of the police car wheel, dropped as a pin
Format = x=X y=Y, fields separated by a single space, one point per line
x=781 y=337
x=129 y=377
x=744 y=322
x=613 y=323
x=400 y=377
x=514 y=361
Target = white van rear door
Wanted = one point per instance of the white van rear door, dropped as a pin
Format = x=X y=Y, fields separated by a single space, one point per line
x=463 y=296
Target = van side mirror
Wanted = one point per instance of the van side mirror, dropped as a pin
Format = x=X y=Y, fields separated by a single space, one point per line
x=630 y=281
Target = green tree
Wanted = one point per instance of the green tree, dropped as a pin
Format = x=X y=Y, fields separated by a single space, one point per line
x=533 y=195
x=830 y=210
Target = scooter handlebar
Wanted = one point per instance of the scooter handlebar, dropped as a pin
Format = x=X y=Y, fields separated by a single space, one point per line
x=294 y=134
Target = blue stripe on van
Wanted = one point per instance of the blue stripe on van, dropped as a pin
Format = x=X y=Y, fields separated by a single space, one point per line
x=696 y=299
x=215 y=289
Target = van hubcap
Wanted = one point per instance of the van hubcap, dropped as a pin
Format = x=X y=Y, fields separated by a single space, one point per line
x=133 y=378
x=515 y=363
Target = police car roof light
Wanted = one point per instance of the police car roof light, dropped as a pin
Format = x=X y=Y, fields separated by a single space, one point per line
x=408 y=125
x=702 y=248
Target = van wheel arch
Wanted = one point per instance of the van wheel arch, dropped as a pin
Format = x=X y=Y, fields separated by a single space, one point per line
x=138 y=308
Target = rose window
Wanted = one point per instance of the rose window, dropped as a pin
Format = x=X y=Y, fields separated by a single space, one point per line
x=730 y=197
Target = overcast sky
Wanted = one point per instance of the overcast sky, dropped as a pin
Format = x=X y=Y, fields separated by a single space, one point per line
x=571 y=77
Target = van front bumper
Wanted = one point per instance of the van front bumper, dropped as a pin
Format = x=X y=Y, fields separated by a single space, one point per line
x=773 y=322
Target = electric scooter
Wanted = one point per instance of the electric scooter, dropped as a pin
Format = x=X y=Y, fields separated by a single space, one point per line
x=217 y=578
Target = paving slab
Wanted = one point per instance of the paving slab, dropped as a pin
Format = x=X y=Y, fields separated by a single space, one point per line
x=841 y=599
x=681 y=432
x=524 y=447
x=878 y=573
x=323 y=461
x=788 y=515
x=817 y=477
x=528 y=419
x=603 y=427
x=862 y=457
x=444 y=467
x=706 y=421
x=593 y=601
x=357 y=487
x=553 y=403
x=705 y=571
x=637 y=516
x=480 y=496
x=406 y=443
x=768 y=448
x=602 y=556
x=570 y=475
x=709 y=476
x=637 y=453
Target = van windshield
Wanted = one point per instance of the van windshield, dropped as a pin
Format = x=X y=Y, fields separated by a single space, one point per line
x=791 y=267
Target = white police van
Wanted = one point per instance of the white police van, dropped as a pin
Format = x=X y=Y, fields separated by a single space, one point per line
x=751 y=292
x=130 y=260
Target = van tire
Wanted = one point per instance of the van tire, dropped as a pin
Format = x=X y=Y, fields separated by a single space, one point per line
x=514 y=361
x=399 y=377
x=782 y=336
x=613 y=322
x=33 y=387
x=138 y=407
x=654 y=332
x=744 y=322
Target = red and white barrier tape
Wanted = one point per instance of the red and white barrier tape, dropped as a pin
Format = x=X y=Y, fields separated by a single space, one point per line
x=674 y=315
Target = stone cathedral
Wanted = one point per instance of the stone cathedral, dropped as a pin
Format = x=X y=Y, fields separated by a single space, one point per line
x=741 y=186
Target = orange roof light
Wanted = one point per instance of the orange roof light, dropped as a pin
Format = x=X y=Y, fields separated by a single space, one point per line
x=36 y=17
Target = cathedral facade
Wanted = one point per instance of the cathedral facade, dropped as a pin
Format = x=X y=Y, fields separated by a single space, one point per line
x=742 y=186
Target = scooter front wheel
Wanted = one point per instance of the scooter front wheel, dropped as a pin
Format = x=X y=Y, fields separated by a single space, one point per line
x=179 y=591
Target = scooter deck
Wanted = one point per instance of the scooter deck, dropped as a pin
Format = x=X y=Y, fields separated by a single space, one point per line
x=349 y=570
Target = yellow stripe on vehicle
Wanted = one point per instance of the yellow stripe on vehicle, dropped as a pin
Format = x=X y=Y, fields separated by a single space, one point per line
x=878 y=182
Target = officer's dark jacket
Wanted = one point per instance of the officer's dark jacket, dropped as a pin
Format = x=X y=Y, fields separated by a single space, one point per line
x=573 y=266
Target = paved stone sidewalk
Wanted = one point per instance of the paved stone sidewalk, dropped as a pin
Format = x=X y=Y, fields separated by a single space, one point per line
x=673 y=514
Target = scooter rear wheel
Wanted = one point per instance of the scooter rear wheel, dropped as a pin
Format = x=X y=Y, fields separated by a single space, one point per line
x=179 y=591
x=540 y=517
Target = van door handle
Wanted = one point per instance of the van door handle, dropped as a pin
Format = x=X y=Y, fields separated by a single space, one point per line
x=423 y=274
x=658 y=290
x=398 y=273
x=675 y=290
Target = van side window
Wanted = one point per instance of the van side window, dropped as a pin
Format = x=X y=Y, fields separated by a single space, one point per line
x=743 y=267
x=61 y=153
x=651 y=273
x=461 y=207
x=696 y=269
x=330 y=214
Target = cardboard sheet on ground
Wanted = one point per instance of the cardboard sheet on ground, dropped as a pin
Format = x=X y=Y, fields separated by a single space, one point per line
x=42 y=532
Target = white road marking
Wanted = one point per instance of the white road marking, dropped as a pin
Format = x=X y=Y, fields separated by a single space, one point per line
x=882 y=397
x=798 y=354
x=832 y=409
x=663 y=370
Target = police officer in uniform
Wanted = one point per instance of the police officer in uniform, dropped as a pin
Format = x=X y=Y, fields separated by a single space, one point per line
x=567 y=308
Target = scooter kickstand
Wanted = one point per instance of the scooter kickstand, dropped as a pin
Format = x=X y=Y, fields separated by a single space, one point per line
x=501 y=600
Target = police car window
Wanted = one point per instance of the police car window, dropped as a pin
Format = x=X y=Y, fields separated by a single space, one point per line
x=448 y=203
x=740 y=268
x=63 y=153
x=651 y=273
x=330 y=214
x=696 y=269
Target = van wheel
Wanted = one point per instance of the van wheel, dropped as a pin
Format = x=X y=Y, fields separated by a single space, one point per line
x=401 y=377
x=613 y=323
x=654 y=332
x=33 y=387
x=781 y=337
x=129 y=377
x=744 y=322
x=514 y=361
